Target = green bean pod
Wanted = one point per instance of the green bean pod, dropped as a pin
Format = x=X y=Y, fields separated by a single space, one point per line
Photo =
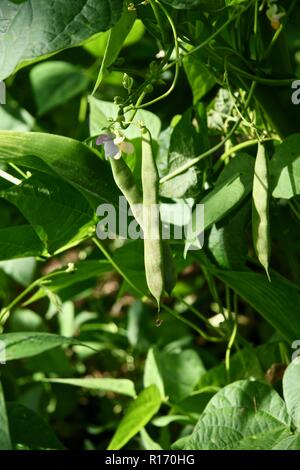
x=125 y=181
x=260 y=208
x=153 y=246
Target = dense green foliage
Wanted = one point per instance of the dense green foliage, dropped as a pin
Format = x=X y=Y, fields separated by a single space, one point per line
x=88 y=360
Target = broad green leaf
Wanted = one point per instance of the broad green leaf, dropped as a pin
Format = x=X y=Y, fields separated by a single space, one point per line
x=26 y=320
x=277 y=301
x=5 y=439
x=233 y=185
x=30 y=430
x=97 y=44
x=148 y=442
x=20 y=241
x=36 y=28
x=185 y=144
x=152 y=374
x=82 y=271
x=243 y=365
x=68 y=218
x=130 y=258
x=285 y=168
x=55 y=82
x=115 y=39
x=65 y=157
x=175 y=374
x=227 y=241
x=138 y=414
x=200 y=79
x=270 y=353
x=21 y=270
x=21 y=345
x=121 y=386
x=163 y=421
x=193 y=406
x=206 y=5
x=291 y=391
x=14 y=118
x=288 y=443
x=243 y=415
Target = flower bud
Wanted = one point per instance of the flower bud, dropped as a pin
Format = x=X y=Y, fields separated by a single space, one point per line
x=127 y=82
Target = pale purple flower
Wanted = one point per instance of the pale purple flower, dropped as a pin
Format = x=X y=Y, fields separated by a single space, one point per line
x=114 y=145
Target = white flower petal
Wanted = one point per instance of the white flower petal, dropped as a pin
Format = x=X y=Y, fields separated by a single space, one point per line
x=118 y=140
x=118 y=156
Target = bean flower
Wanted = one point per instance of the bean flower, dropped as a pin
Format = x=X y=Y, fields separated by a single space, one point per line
x=274 y=16
x=114 y=145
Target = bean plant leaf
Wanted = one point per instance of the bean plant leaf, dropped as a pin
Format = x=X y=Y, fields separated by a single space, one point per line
x=232 y=187
x=81 y=271
x=148 y=442
x=55 y=82
x=244 y=415
x=20 y=241
x=68 y=219
x=121 y=386
x=175 y=374
x=139 y=413
x=227 y=239
x=65 y=157
x=200 y=79
x=288 y=443
x=185 y=144
x=291 y=391
x=36 y=28
x=41 y=437
x=285 y=168
x=243 y=364
x=15 y=118
x=21 y=270
x=5 y=439
x=268 y=298
x=115 y=40
x=22 y=345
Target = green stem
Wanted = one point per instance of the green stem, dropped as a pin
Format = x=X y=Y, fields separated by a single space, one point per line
x=239 y=147
x=211 y=151
x=254 y=78
x=197 y=313
x=216 y=33
x=116 y=267
x=18 y=170
x=172 y=87
x=159 y=22
x=229 y=347
x=37 y=283
x=192 y=325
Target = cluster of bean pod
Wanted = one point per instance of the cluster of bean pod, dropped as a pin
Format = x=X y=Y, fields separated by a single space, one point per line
x=159 y=264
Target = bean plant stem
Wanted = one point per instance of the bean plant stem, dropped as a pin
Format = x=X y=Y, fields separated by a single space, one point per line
x=172 y=87
x=37 y=283
x=116 y=267
x=214 y=149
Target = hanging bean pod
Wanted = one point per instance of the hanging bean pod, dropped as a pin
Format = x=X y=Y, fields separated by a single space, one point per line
x=260 y=208
x=153 y=246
